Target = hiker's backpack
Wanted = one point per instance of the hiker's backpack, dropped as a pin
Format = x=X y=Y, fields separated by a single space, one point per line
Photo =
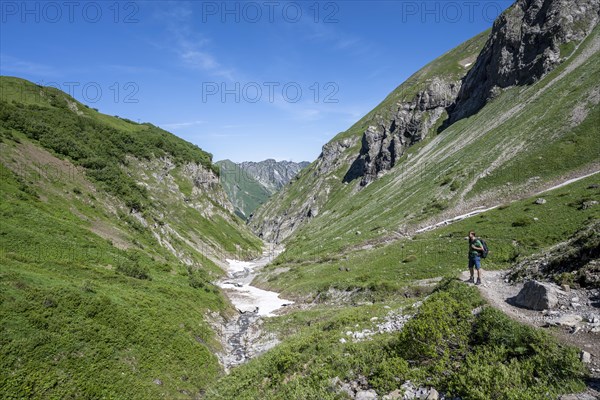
x=485 y=251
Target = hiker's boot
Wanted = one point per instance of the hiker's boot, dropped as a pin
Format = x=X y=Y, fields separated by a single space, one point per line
x=478 y=281
x=471 y=280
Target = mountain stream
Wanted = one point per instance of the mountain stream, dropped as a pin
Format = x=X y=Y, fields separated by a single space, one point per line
x=242 y=335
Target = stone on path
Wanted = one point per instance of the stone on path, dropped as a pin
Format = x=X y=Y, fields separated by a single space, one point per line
x=585 y=357
x=537 y=296
x=569 y=320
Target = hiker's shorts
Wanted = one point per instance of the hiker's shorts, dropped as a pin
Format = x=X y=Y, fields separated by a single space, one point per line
x=474 y=261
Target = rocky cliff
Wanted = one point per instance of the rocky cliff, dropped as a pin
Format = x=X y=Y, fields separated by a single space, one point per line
x=384 y=143
x=527 y=41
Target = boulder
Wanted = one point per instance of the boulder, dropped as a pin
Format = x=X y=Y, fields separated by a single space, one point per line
x=432 y=395
x=366 y=395
x=395 y=395
x=537 y=296
x=585 y=357
x=569 y=320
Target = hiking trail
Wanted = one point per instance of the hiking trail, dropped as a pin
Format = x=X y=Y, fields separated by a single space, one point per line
x=562 y=323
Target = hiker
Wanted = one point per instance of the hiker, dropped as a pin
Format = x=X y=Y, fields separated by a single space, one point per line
x=475 y=250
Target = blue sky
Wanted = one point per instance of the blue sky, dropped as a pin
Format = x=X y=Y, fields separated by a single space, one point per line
x=243 y=80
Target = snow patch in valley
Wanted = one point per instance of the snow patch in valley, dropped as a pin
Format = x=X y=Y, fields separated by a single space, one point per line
x=244 y=296
x=248 y=298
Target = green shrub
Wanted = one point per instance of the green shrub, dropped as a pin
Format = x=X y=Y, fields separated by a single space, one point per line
x=511 y=360
x=441 y=326
x=564 y=278
x=88 y=286
x=522 y=222
x=388 y=373
x=446 y=180
x=198 y=278
x=133 y=269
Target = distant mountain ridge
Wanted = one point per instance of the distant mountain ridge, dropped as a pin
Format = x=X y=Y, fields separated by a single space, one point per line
x=273 y=175
x=249 y=184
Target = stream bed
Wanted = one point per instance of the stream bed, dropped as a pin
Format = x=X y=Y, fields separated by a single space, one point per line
x=242 y=335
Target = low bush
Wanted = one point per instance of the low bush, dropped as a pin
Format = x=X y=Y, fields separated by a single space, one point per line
x=522 y=221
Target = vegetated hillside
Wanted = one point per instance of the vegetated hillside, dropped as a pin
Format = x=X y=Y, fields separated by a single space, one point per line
x=575 y=261
x=378 y=269
x=243 y=190
x=111 y=235
x=250 y=184
x=427 y=152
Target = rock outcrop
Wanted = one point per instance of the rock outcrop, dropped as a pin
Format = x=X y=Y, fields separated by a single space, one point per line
x=385 y=143
x=577 y=260
x=525 y=44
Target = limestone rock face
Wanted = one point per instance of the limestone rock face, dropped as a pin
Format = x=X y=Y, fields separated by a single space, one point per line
x=525 y=44
x=385 y=143
x=273 y=175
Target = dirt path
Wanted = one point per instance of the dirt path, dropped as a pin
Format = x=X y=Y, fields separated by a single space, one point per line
x=480 y=210
x=499 y=294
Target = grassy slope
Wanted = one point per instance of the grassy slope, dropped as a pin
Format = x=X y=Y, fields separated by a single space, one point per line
x=493 y=154
x=245 y=192
x=75 y=321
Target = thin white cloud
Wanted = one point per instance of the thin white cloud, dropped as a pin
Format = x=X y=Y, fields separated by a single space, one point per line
x=339 y=40
x=190 y=46
x=129 y=69
x=225 y=135
x=10 y=64
x=180 y=125
x=239 y=126
x=199 y=59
